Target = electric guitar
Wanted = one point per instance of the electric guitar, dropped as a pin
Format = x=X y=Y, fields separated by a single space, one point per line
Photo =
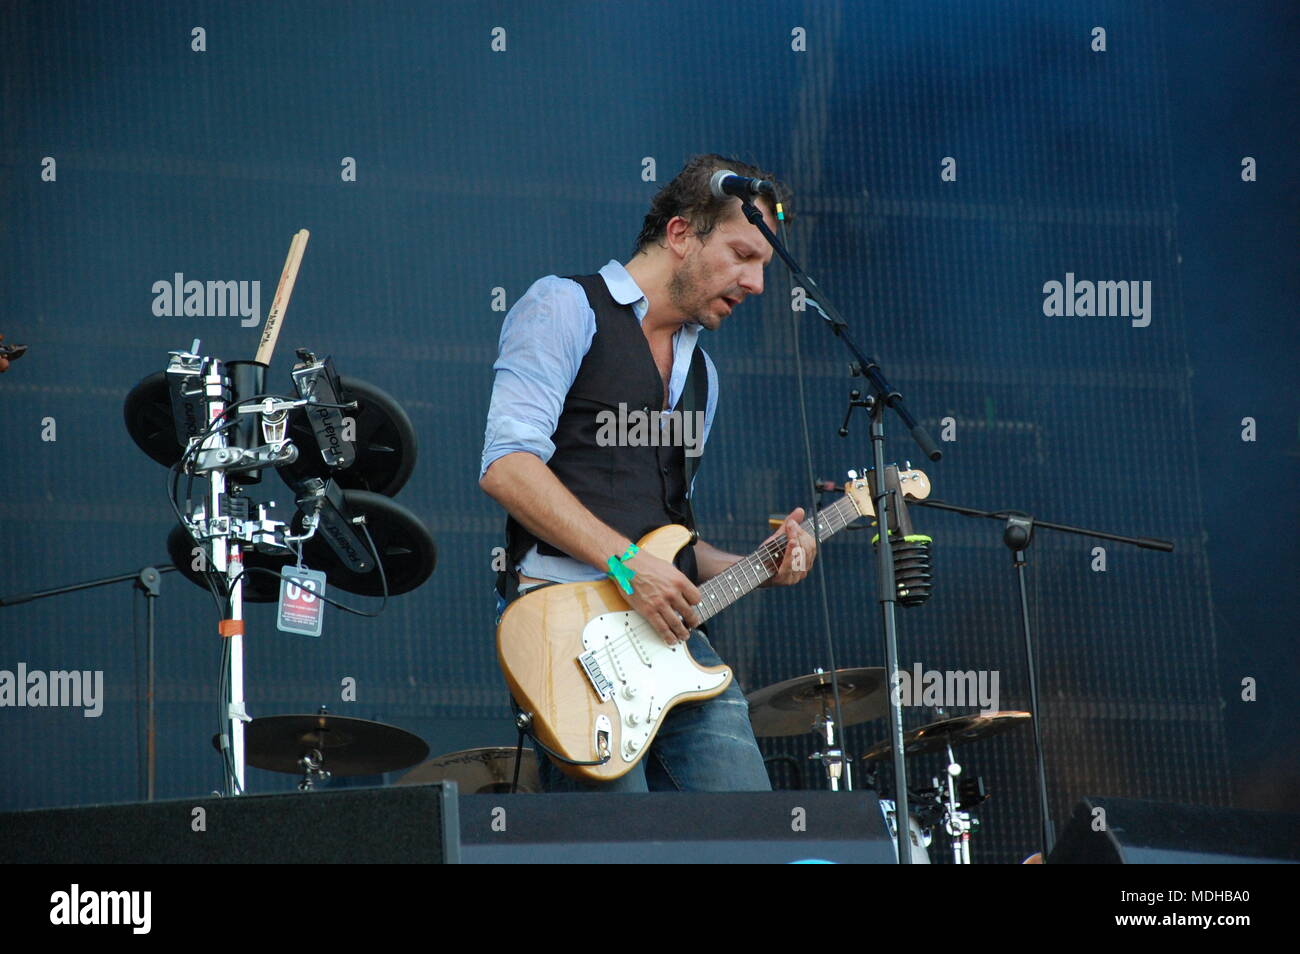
x=597 y=679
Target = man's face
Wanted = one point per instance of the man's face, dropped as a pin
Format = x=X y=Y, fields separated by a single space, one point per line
x=720 y=271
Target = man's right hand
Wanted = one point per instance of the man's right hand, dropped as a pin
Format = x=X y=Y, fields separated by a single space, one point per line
x=664 y=596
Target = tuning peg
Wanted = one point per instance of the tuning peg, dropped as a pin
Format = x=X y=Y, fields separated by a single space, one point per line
x=853 y=475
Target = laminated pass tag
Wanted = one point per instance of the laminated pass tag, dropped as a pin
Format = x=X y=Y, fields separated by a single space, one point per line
x=301 y=607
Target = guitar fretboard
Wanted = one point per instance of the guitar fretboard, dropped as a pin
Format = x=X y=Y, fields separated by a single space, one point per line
x=760 y=566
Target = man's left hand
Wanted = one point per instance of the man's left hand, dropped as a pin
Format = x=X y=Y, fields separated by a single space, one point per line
x=800 y=551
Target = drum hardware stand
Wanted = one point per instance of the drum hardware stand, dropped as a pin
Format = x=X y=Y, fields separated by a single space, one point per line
x=227 y=558
x=226 y=523
x=833 y=761
x=148 y=580
x=313 y=770
x=1018 y=533
x=227 y=430
x=958 y=824
x=884 y=395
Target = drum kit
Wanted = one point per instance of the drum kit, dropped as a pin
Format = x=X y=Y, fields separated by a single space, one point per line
x=344 y=448
x=346 y=526
x=805 y=705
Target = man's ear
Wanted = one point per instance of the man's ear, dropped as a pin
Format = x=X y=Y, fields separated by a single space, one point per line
x=677 y=235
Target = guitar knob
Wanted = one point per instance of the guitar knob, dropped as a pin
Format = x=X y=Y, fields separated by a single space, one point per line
x=633 y=719
x=631 y=745
x=629 y=692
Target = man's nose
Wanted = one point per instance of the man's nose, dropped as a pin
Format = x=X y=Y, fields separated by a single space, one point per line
x=752 y=279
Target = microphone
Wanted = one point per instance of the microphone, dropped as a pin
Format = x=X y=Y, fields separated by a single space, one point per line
x=725 y=183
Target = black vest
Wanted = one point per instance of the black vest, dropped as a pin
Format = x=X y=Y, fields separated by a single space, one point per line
x=634 y=489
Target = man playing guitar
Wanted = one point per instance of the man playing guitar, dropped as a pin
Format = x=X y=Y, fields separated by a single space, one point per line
x=578 y=352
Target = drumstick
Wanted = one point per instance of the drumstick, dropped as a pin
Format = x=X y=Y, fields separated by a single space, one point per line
x=271 y=331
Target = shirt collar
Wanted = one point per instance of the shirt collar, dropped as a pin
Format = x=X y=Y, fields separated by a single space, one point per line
x=623 y=287
x=620 y=284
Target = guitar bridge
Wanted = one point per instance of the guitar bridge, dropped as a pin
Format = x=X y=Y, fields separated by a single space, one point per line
x=591 y=666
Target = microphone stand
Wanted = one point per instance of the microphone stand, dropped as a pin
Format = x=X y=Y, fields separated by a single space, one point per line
x=147 y=580
x=1017 y=535
x=885 y=396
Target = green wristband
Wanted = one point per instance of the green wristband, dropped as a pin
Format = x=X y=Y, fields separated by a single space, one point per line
x=620 y=574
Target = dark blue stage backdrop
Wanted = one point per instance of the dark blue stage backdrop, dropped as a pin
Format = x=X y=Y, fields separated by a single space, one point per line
x=949 y=162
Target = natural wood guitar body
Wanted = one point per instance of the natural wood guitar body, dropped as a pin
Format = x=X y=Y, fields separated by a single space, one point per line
x=539 y=643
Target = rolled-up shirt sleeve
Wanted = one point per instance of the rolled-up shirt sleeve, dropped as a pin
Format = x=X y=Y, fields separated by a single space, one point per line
x=543 y=340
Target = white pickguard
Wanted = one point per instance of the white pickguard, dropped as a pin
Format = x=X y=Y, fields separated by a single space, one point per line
x=627 y=661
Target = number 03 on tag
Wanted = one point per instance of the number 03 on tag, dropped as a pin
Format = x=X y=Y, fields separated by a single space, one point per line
x=301 y=608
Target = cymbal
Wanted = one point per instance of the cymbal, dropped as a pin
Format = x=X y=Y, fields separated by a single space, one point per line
x=405 y=547
x=792 y=707
x=478 y=771
x=349 y=746
x=958 y=730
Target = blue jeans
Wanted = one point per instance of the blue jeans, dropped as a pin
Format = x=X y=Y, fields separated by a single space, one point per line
x=701 y=747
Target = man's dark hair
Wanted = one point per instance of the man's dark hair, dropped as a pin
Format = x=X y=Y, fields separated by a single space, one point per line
x=688 y=195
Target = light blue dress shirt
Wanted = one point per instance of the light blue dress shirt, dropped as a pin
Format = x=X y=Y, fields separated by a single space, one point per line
x=544 y=339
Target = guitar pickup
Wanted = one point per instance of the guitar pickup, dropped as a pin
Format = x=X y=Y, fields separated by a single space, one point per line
x=591 y=666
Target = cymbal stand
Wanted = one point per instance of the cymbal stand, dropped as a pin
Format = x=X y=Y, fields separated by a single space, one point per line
x=313 y=770
x=957 y=823
x=836 y=766
x=228 y=560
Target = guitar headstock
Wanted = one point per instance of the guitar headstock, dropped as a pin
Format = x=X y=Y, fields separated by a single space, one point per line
x=914 y=483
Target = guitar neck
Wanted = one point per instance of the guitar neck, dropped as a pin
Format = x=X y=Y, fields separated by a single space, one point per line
x=761 y=565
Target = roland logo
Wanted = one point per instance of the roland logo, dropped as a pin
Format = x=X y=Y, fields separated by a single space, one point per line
x=191 y=419
x=326 y=429
x=339 y=537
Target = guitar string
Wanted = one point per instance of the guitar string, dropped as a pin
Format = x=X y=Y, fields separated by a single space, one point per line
x=623 y=643
x=844 y=510
x=618 y=647
x=769 y=551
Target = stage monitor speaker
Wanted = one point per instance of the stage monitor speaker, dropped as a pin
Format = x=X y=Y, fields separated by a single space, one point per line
x=408 y=824
x=1126 y=831
x=674 y=827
